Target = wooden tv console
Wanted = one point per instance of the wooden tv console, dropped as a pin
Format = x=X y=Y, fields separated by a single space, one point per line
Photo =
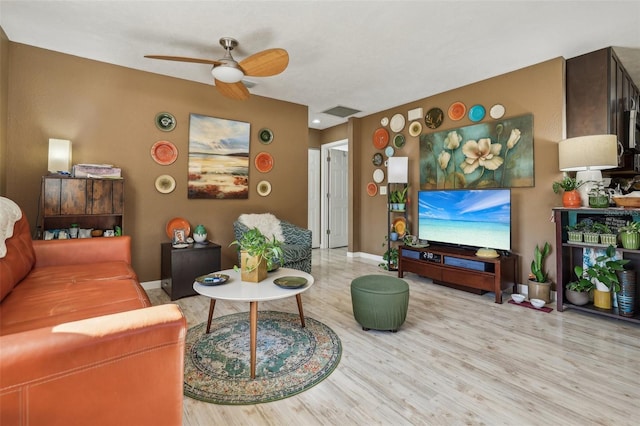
x=460 y=268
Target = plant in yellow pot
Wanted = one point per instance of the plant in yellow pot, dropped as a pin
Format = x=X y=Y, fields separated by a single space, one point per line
x=603 y=275
x=257 y=254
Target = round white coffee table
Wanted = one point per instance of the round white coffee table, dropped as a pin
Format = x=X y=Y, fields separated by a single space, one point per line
x=242 y=291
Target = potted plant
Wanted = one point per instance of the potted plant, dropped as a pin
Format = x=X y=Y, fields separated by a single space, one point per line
x=630 y=235
x=571 y=196
x=393 y=235
x=578 y=291
x=399 y=199
x=597 y=197
x=574 y=232
x=606 y=236
x=539 y=286
x=257 y=254
x=604 y=275
x=390 y=257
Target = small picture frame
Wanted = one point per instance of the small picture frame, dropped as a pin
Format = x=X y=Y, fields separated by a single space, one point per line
x=179 y=236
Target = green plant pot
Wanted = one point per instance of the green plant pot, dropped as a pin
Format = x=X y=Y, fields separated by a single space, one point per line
x=575 y=236
x=609 y=239
x=591 y=238
x=630 y=240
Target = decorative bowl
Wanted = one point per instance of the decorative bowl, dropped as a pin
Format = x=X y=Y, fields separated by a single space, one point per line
x=518 y=298
x=537 y=303
x=627 y=201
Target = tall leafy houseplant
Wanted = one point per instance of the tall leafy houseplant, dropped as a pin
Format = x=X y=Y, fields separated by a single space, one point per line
x=539 y=286
x=258 y=253
x=603 y=274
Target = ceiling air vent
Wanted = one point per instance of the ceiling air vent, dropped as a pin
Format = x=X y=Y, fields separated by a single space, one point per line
x=341 y=111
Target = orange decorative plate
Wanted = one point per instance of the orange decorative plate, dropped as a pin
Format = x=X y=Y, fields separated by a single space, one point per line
x=264 y=162
x=178 y=223
x=457 y=110
x=164 y=152
x=380 y=138
x=372 y=189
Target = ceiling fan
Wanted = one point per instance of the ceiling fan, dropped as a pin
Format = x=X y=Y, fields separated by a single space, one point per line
x=228 y=73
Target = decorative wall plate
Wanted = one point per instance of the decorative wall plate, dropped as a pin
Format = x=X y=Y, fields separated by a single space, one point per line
x=264 y=188
x=389 y=151
x=415 y=128
x=265 y=136
x=380 y=138
x=164 y=152
x=496 y=111
x=165 y=184
x=377 y=159
x=434 y=117
x=264 y=162
x=178 y=223
x=384 y=121
x=378 y=175
x=400 y=225
x=397 y=123
x=398 y=140
x=476 y=113
x=372 y=189
x=457 y=110
x=165 y=121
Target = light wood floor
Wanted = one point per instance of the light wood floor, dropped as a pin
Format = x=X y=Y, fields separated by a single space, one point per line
x=458 y=359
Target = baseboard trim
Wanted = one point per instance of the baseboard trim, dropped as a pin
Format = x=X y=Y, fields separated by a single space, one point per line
x=151 y=285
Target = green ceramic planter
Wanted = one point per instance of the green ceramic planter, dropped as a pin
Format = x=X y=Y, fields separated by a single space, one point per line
x=630 y=240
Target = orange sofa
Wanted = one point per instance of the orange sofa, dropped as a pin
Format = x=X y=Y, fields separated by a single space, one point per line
x=80 y=342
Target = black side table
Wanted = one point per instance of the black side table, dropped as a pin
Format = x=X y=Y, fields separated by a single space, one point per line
x=181 y=266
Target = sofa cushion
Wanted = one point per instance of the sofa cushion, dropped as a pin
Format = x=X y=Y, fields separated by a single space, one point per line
x=19 y=259
x=35 y=303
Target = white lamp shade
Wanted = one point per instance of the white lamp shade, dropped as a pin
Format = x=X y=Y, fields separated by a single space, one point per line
x=594 y=152
x=398 y=170
x=59 y=155
x=227 y=74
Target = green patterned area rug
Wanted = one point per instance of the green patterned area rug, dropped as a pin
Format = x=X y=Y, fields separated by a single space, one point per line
x=289 y=359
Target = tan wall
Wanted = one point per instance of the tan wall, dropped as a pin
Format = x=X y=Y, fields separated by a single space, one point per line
x=108 y=113
x=538 y=90
x=4 y=96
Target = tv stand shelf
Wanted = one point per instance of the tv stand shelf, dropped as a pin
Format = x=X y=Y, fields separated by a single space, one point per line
x=460 y=268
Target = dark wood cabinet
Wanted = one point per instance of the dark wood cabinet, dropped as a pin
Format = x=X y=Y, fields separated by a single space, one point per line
x=181 y=266
x=87 y=202
x=460 y=268
x=598 y=92
x=570 y=254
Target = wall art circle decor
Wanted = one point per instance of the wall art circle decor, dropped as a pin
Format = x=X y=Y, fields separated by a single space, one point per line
x=372 y=189
x=164 y=153
x=476 y=113
x=398 y=140
x=497 y=111
x=165 y=121
x=377 y=159
x=389 y=151
x=457 y=110
x=264 y=162
x=264 y=188
x=380 y=138
x=384 y=121
x=415 y=128
x=378 y=175
x=265 y=135
x=434 y=117
x=165 y=184
x=397 y=123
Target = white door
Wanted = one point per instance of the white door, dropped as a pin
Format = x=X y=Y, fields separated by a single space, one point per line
x=338 y=198
x=313 y=218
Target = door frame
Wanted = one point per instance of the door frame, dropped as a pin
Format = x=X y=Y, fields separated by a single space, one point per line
x=324 y=187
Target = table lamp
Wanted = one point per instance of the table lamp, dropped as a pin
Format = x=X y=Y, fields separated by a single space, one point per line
x=587 y=156
x=59 y=156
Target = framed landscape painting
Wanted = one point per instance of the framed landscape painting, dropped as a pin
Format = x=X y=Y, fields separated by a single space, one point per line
x=218 y=158
x=497 y=154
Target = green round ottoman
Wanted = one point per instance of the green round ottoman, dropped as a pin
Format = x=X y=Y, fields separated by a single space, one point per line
x=379 y=302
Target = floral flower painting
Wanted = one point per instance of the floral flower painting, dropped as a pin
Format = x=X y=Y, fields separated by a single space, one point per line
x=498 y=154
x=218 y=158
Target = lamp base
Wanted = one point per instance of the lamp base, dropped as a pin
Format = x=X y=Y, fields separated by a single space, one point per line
x=590 y=179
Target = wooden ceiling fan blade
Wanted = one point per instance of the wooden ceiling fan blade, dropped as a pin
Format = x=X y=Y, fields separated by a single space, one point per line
x=183 y=59
x=233 y=90
x=266 y=63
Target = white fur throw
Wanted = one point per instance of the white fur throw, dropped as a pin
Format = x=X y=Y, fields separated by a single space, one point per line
x=10 y=213
x=267 y=223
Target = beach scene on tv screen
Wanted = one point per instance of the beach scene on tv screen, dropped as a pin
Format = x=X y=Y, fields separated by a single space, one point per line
x=478 y=218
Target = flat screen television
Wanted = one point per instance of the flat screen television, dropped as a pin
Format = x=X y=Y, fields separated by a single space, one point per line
x=474 y=218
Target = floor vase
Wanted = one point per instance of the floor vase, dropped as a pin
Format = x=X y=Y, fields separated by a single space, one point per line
x=627 y=293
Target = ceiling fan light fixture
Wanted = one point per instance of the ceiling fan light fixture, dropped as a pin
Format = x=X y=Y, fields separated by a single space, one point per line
x=227 y=74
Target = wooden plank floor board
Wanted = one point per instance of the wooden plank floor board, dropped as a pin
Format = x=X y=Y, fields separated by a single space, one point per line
x=459 y=359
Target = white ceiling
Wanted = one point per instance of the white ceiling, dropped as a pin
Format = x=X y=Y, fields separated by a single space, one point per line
x=367 y=55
